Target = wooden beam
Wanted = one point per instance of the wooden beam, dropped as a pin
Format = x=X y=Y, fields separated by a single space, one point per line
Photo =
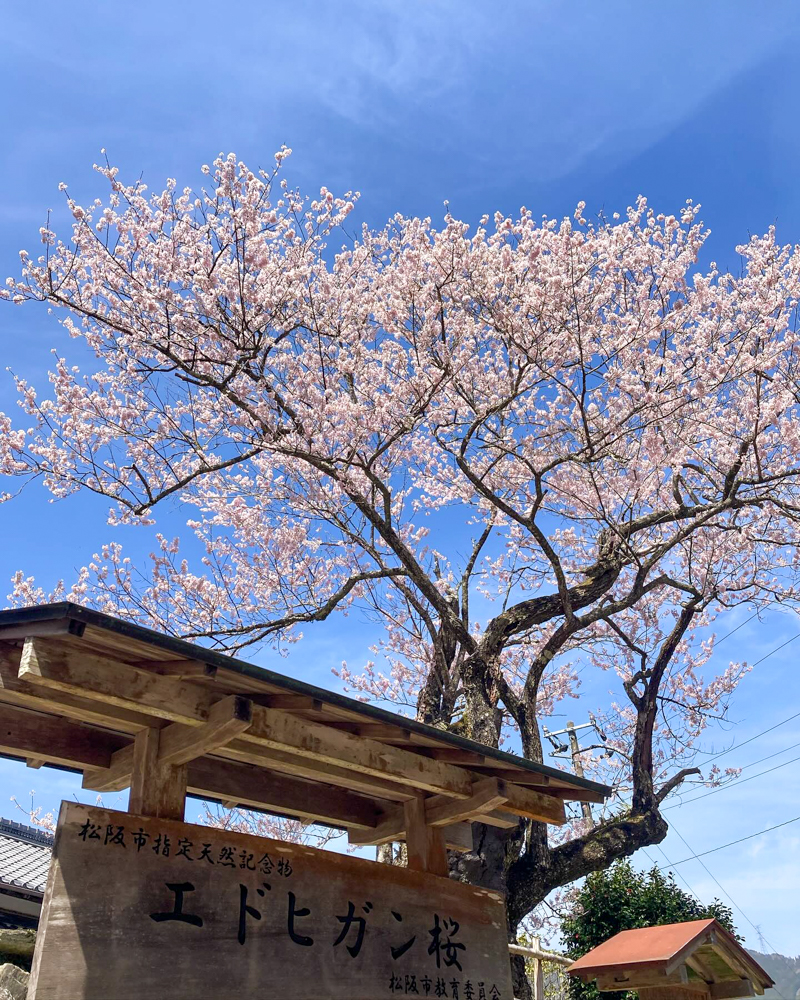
x=278 y=793
x=55 y=741
x=703 y=970
x=58 y=741
x=732 y=990
x=179 y=744
x=301 y=767
x=55 y=626
x=34 y=762
x=503 y=821
x=291 y=702
x=533 y=805
x=48 y=663
x=633 y=979
x=282 y=731
x=391 y=827
x=14 y=691
x=571 y=794
x=382 y=732
x=227 y=719
x=155 y=790
x=487 y=794
x=685 y=992
x=731 y=960
x=194 y=669
x=458 y=837
x=440 y=811
x=453 y=755
x=425 y=844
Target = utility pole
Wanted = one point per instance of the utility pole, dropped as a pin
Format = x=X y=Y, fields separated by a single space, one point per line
x=586 y=809
x=574 y=750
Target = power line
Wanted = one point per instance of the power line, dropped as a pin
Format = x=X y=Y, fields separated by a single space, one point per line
x=769 y=756
x=720 y=886
x=742 y=625
x=680 y=875
x=744 y=743
x=777 y=649
x=711 y=875
x=696 y=857
x=741 y=840
x=738 y=781
x=765 y=657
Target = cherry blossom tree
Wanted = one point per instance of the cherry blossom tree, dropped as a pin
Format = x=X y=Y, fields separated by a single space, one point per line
x=526 y=450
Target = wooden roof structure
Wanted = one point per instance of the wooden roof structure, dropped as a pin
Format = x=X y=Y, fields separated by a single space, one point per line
x=688 y=961
x=128 y=706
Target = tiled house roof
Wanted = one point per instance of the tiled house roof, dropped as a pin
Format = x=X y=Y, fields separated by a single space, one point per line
x=24 y=856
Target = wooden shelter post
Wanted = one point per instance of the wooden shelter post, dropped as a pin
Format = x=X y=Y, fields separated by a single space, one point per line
x=157 y=790
x=425 y=844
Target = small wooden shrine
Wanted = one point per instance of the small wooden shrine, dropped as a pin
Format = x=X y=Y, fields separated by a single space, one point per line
x=689 y=961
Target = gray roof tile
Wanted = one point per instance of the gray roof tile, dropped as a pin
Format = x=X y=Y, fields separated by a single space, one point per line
x=24 y=856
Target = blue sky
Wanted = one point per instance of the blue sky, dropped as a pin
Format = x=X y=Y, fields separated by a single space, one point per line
x=488 y=105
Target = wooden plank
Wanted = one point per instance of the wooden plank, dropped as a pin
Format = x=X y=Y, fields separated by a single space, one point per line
x=268 y=924
x=279 y=793
x=425 y=844
x=156 y=790
x=55 y=741
x=732 y=990
x=487 y=794
x=686 y=992
x=34 y=762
